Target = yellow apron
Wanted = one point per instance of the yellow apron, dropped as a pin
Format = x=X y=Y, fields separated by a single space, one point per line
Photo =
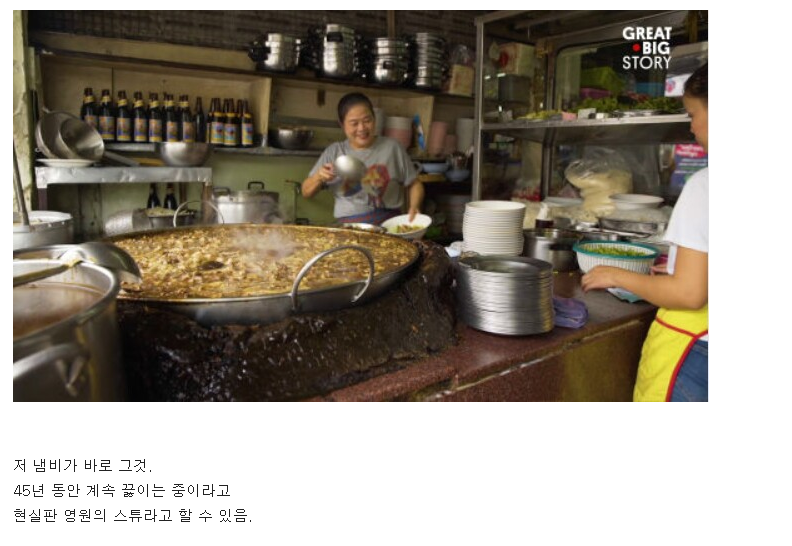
x=670 y=338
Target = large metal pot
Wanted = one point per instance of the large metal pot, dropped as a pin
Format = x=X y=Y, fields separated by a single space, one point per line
x=273 y=307
x=66 y=344
x=254 y=206
x=552 y=245
x=47 y=227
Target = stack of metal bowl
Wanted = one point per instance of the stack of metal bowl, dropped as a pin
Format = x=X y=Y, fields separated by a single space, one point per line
x=428 y=60
x=389 y=61
x=507 y=295
x=276 y=52
x=339 y=52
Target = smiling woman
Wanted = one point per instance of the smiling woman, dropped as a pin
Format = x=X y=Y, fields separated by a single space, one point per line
x=379 y=193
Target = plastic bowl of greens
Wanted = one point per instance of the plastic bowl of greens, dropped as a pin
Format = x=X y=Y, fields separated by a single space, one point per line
x=634 y=257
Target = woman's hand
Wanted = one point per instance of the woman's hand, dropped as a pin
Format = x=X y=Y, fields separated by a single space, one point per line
x=600 y=277
x=413 y=212
x=313 y=184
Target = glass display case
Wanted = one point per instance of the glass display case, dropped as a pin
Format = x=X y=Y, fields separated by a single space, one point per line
x=553 y=85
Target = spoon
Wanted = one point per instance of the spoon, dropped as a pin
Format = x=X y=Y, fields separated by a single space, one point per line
x=104 y=254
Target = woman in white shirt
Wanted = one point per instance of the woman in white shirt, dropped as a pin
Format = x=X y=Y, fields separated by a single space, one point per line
x=674 y=360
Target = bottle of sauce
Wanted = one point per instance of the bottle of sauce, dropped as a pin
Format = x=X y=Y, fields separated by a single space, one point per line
x=186 y=121
x=88 y=109
x=139 y=119
x=153 y=198
x=247 y=126
x=155 y=125
x=231 y=129
x=171 y=121
x=123 y=119
x=200 y=122
x=170 y=198
x=217 y=133
x=107 y=117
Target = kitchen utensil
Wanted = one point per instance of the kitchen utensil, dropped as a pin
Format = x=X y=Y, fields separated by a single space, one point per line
x=47 y=227
x=363 y=227
x=433 y=167
x=349 y=168
x=291 y=138
x=19 y=194
x=162 y=219
x=421 y=221
x=47 y=130
x=635 y=201
x=67 y=163
x=184 y=154
x=552 y=245
x=508 y=295
x=593 y=253
x=66 y=342
x=95 y=252
x=457 y=175
x=76 y=139
x=649 y=228
x=265 y=308
x=178 y=211
x=254 y=205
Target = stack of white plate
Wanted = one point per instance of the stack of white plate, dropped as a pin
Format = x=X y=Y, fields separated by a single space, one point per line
x=506 y=294
x=494 y=227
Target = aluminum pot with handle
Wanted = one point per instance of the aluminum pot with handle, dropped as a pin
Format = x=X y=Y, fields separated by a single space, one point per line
x=553 y=246
x=66 y=341
x=254 y=206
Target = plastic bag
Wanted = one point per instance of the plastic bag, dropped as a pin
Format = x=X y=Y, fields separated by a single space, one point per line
x=601 y=173
x=463 y=55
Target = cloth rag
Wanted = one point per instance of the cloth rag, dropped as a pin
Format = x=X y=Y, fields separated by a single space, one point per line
x=569 y=312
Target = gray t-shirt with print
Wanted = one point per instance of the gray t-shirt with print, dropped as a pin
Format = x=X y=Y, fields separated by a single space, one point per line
x=388 y=170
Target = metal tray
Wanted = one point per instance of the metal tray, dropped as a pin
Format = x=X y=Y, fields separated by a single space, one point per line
x=636 y=113
x=648 y=228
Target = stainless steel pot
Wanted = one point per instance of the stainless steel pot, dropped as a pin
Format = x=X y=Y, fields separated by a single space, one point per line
x=47 y=227
x=269 y=308
x=254 y=206
x=66 y=344
x=553 y=246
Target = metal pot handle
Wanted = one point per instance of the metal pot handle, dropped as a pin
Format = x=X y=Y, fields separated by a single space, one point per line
x=178 y=209
x=68 y=361
x=304 y=271
x=221 y=190
x=256 y=182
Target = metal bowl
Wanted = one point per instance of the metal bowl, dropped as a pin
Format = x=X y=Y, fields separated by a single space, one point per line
x=296 y=138
x=184 y=154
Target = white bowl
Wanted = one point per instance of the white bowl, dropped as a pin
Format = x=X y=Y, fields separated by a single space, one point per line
x=634 y=201
x=421 y=220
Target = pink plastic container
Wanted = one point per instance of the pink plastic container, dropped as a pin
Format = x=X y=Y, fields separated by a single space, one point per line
x=437 y=135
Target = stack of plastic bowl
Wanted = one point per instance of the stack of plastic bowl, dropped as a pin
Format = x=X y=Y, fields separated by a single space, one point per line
x=400 y=129
x=494 y=227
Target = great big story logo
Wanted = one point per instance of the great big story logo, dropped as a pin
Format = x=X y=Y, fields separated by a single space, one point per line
x=650 y=47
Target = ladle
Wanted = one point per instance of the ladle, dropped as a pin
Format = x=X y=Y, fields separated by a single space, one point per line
x=349 y=168
x=104 y=254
